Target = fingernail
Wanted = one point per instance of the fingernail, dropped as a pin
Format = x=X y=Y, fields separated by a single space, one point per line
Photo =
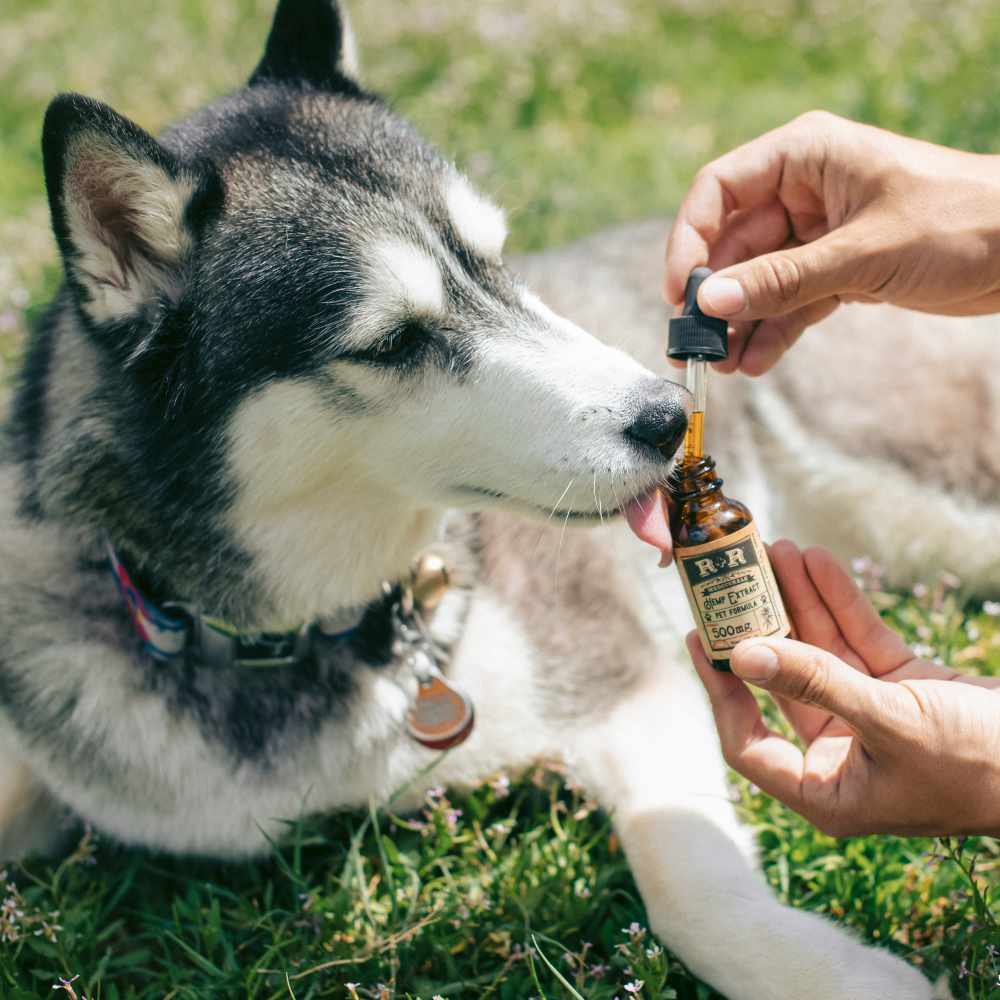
x=722 y=296
x=666 y=558
x=754 y=661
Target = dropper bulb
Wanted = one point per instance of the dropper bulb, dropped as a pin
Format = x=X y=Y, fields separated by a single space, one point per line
x=692 y=333
x=694 y=282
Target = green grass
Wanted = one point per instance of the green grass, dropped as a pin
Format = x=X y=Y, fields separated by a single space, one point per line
x=465 y=898
x=574 y=115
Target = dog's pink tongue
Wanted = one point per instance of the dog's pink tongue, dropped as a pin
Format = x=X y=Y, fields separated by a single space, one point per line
x=647 y=517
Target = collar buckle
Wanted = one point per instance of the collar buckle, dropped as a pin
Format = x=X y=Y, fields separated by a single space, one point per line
x=215 y=645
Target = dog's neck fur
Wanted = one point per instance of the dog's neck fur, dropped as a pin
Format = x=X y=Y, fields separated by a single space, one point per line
x=85 y=469
x=333 y=547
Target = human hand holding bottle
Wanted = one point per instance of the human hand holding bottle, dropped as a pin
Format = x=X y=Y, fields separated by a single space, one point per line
x=892 y=743
x=824 y=210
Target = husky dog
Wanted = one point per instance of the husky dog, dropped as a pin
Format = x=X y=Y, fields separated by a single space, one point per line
x=287 y=359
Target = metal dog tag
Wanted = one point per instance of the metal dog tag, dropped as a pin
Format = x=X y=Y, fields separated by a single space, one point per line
x=441 y=715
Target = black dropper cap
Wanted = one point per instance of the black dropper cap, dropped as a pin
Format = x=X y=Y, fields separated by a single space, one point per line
x=692 y=333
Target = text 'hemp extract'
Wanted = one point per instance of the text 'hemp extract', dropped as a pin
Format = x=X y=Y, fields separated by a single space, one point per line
x=723 y=564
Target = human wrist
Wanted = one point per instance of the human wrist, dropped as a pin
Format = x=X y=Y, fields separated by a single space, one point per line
x=982 y=171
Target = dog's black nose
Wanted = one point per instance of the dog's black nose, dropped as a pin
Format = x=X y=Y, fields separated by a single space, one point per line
x=660 y=424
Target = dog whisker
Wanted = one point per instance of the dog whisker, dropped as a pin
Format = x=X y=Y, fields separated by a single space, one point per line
x=559 y=547
x=562 y=496
x=597 y=499
x=614 y=492
x=555 y=507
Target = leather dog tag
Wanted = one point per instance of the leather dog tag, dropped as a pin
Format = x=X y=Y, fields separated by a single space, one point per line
x=441 y=716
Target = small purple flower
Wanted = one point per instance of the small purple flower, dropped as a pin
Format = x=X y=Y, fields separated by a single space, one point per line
x=634 y=987
x=66 y=985
x=867 y=572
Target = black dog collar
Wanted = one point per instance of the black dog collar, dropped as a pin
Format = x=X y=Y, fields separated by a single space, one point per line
x=177 y=630
x=440 y=716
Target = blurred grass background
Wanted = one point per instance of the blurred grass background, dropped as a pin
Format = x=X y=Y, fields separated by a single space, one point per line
x=574 y=114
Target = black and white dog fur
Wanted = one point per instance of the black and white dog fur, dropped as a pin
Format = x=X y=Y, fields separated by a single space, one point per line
x=286 y=359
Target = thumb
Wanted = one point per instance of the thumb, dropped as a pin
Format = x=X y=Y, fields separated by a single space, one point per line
x=812 y=676
x=781 y=282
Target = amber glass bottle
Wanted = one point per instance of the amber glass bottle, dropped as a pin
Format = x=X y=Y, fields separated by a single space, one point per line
x=721 y=560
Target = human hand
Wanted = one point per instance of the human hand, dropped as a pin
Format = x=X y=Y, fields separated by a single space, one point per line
x=893 y=744
x=824 y=210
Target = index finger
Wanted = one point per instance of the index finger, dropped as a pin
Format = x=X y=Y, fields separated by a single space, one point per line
x=877 y=645
x=742 y=179
x=770 y=761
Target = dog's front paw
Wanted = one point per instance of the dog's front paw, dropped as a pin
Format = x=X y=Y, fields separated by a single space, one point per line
x=882 y=976
x=942 y=990
x=854 y=972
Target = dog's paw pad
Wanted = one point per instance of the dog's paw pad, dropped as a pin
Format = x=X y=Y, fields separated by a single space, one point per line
x=942 y=991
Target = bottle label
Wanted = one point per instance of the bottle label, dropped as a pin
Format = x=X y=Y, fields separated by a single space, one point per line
x=732 y=591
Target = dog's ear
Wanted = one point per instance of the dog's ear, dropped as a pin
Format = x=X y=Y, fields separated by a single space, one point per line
x=310 y=42
x=123 y=208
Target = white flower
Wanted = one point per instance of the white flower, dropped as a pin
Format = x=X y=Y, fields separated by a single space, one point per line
x=634 y=987
x=501 y=786
x=991 y=608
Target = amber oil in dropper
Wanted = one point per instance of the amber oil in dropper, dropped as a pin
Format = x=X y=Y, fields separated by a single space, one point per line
x=721 y=559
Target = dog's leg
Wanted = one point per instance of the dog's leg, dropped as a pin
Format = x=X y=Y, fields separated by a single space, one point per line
x=31 y=821
x=654 y=762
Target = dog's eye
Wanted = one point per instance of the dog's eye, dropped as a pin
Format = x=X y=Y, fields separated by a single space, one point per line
x=401 y=345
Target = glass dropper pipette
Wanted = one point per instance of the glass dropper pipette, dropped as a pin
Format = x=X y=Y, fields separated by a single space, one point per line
x=697 y=339
x=697 y=385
